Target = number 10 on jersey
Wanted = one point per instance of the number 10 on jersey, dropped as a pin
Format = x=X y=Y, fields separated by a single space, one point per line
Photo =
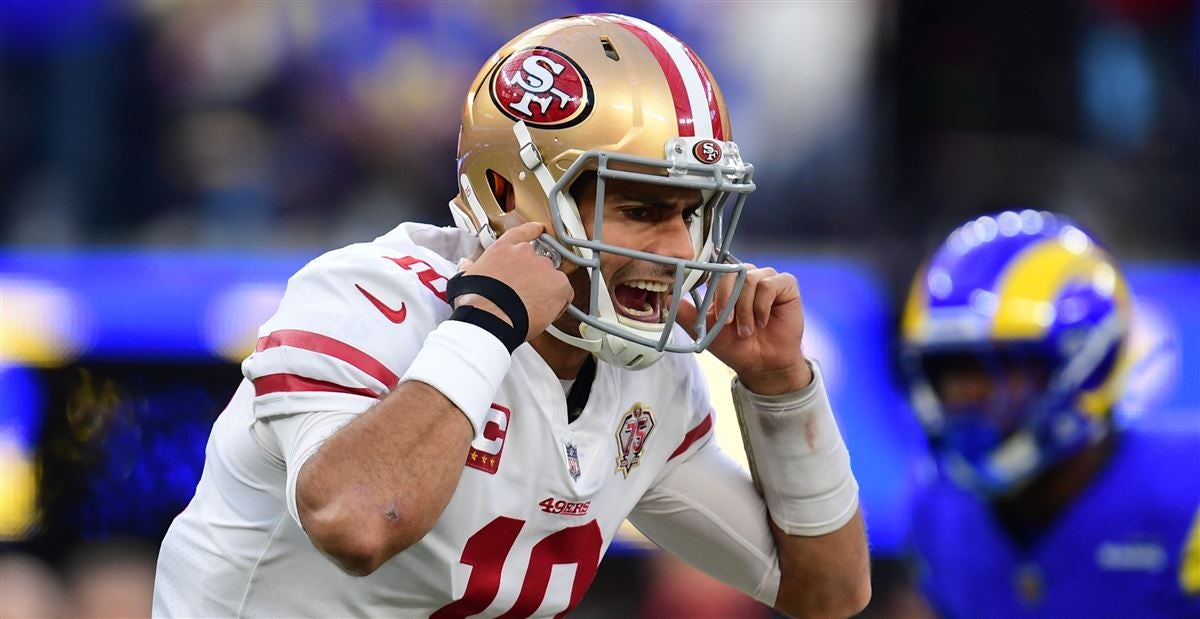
x=487 y=549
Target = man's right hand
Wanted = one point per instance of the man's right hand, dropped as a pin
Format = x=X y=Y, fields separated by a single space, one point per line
x=511 y=259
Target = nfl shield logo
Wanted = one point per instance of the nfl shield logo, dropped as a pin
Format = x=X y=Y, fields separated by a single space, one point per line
x=573 y=461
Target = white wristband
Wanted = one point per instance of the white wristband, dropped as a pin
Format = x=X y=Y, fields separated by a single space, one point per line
x=798 y=458
x=464 y=362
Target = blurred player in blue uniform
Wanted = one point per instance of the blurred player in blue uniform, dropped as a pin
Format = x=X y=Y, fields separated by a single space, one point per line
x=1014 y=343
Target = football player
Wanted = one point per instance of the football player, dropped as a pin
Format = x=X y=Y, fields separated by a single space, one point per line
x=1015 y=340
x=455 y=421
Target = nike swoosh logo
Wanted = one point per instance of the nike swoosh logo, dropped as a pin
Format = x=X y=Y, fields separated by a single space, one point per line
x=395 y=315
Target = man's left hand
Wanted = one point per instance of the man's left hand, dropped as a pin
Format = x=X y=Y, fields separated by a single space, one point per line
x=761 y=342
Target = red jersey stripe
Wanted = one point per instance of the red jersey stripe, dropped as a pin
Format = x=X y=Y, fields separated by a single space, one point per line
x=693 y=435
x=679 y=96
x=325 y=345
x=291 y=383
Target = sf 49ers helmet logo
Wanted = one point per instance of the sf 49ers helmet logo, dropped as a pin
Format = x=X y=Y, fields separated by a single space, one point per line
x=542 y=87
x=707 y=151
x=635 y=428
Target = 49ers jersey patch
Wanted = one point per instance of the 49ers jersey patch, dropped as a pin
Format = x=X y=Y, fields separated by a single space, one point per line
x=632 y=433
x=487 y=448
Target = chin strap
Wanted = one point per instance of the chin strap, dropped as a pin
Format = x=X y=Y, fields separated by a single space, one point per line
x=481 y=230
x=609 y=348
x=531 y=157
x=620 y=351
x=592 y=346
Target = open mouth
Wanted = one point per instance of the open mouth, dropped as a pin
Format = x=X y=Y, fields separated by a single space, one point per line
x=642 y=300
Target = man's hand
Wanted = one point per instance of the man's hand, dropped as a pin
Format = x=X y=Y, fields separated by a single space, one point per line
x=512 y=260
x=762 y=340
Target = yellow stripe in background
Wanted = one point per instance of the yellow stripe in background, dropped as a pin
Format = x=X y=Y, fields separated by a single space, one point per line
x=18 y=490
x=1189 y=568
x=41 y=324
x=1029 y=285
x=916 y=310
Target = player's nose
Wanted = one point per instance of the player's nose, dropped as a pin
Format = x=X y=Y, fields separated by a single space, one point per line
x=673 y=238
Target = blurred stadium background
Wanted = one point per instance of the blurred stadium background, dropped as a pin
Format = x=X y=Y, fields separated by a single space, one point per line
x=165 y=165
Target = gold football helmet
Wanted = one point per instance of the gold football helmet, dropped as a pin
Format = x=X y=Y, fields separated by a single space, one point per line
x=621 y=98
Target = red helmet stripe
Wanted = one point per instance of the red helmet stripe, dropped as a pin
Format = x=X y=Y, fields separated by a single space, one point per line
x=714 y=108
x=675 y=79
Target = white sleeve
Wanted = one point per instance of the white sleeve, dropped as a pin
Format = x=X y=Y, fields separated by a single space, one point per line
x=706 y=512
x=348 y=326
x=298 y=437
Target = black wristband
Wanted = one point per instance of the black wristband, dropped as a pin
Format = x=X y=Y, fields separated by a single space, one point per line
x=495 y=291
x=491 y=323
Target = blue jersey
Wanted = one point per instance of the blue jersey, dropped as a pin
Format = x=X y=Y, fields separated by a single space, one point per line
x=1127 y=547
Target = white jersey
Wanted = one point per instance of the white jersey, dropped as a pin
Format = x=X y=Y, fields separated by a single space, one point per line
x=539 y=500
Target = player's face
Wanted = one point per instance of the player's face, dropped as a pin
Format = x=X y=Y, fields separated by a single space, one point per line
x=645 y=217
x=1000 y=387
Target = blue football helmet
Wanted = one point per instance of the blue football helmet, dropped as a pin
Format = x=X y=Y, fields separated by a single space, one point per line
x=1014 y=346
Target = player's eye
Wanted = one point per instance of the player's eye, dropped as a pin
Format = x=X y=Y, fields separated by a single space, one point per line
x=637 y=213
